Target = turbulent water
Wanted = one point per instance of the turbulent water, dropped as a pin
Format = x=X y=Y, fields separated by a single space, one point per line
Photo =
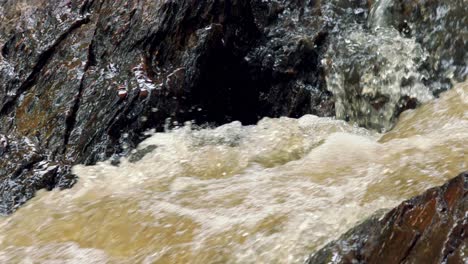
x=269 y=193
x=375 y=71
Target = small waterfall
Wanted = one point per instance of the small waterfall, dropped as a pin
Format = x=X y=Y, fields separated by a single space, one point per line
x=378 y=16
x=374 y=72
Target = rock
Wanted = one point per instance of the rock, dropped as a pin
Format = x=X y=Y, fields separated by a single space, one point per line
x=26 y=168
x=430 y=228
x=143 y=93
x=205 y=61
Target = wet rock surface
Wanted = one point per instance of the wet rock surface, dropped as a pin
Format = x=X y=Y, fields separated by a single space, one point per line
x=81 y=80
x=430 y=228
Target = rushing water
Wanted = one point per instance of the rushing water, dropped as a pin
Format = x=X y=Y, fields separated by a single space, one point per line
x=373 y=74
x=269 y=193
x=373 y=71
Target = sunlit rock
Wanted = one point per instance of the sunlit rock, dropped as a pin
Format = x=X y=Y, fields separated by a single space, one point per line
x=430 y=228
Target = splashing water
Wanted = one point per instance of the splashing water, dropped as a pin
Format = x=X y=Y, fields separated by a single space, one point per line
x=374 y=72
x=374 y=75
x=269 y=193
x=379 y=14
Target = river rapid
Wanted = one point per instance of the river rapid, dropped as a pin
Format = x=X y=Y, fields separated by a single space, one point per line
x=268 y=193
x=273 y=192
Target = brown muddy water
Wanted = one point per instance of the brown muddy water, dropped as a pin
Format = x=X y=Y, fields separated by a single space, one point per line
x=269 y=193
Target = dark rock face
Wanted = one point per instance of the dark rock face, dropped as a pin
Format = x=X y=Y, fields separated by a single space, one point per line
x=62 y=63
x=430 y=228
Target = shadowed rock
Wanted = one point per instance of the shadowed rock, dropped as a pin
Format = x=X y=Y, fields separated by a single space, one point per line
x=62 y=63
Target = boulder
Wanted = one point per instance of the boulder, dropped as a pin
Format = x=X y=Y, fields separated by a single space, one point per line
x=430 y=228
x=82 y=80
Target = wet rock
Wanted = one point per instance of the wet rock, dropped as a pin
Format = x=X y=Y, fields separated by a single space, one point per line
x=24 y=168
x=284 y=65
x=430 y=228
x=205 y=61
x=139 y=154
